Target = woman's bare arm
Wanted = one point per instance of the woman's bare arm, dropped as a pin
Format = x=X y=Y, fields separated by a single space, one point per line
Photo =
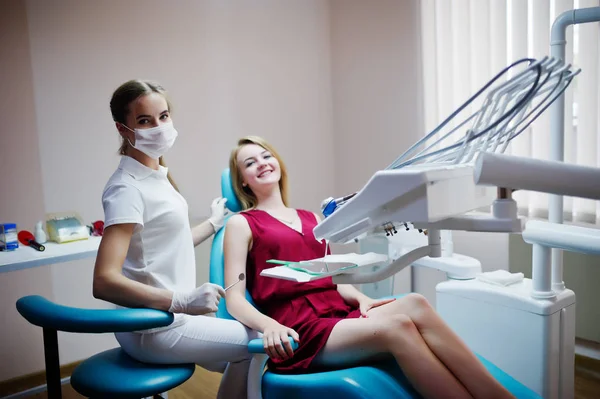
x=275 y=336
x=236 y=243
x=111 y=285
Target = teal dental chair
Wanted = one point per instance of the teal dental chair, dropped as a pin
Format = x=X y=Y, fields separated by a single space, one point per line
x=109 y=374
x=377 y=380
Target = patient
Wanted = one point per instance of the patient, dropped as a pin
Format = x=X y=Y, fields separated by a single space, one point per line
x=335 y=325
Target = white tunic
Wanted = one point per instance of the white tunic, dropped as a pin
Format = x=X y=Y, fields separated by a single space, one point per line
x=161 y=251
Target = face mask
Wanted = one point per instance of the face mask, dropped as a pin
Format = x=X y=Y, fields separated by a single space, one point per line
x=156 y=141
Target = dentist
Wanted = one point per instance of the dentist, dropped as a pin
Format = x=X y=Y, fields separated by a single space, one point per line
x=146 y=256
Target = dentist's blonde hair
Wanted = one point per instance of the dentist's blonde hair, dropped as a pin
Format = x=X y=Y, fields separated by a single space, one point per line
x=244 y=193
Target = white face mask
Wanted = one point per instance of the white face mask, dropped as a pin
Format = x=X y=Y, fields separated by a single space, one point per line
x=155 y=141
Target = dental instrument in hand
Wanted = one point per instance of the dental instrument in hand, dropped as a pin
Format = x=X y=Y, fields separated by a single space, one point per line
x=241 y=277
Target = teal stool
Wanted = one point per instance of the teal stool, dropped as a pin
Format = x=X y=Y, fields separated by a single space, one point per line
x=109 y=374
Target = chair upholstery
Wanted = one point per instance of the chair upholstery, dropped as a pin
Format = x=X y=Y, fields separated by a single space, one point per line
x=382 y=379
x=109 y=374
x=114 y=374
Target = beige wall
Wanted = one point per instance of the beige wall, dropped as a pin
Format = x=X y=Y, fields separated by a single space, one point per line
x=232 y=68
x=375 y=78
x=18 y=128
x=376 y=97
x=21 y=200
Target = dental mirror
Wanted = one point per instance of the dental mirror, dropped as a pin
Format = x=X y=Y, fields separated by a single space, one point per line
x=241 y=277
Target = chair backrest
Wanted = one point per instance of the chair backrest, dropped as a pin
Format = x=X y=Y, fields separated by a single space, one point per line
x=217 y=260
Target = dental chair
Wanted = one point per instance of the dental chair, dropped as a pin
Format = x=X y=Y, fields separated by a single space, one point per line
x=109 y=374
x=383 y=379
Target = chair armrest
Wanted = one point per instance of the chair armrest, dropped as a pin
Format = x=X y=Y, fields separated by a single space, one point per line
x=46 y=314
x=256 y=345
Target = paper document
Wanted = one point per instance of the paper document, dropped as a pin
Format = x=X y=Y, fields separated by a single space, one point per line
x=329 y=265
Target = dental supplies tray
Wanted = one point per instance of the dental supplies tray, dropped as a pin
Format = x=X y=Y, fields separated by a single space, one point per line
x=327 y=266
x=66 y=227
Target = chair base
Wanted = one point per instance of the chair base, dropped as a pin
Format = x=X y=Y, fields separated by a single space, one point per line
x=114 y=374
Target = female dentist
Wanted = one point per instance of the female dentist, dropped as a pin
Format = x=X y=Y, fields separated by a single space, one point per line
x=146 y=256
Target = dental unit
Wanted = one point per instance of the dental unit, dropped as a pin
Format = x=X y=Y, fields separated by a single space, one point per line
x=525 y=327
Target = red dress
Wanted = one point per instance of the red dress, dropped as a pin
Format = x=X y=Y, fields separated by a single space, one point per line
x=312 y=309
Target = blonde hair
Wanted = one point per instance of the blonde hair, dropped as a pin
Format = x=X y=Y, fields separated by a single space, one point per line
x=127 y=93
x=245 y=194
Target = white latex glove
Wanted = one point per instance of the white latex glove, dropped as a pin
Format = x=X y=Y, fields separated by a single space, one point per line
x=217 y=213
x=204 y=299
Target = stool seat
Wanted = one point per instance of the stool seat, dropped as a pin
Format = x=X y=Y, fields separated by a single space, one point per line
x=114 y=374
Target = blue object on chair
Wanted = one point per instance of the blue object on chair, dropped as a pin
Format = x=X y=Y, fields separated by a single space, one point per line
x=383 y=379
x=110 y=374
x=233 y=203
x=216 y=253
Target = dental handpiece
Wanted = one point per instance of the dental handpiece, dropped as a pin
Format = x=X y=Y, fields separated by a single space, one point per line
x=328 y=205
x=338 y=201
x=241 y=277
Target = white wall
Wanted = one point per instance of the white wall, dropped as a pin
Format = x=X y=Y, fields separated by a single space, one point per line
x=232 y=68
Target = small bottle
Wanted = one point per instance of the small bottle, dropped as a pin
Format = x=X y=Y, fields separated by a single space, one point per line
x=39 y=233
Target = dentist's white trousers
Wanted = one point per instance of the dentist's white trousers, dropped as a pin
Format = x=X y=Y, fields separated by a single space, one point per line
x=215 y=344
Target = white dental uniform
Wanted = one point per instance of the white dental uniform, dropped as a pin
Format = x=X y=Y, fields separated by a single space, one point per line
x=161 y=254
x=161 y=251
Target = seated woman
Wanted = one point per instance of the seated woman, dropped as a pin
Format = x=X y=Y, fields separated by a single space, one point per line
x=335 y=325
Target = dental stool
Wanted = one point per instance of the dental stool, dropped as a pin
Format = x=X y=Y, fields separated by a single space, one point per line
x=109 y=374
x=377 y=380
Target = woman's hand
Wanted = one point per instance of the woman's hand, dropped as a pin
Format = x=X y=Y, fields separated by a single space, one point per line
x=276 y=341
x=368 y=303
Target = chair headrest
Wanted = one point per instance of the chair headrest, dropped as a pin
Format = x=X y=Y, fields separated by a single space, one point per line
x=233 y=204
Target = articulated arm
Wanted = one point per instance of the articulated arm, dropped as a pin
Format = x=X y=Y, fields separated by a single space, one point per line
x=385 y=272
x=544 y=236
x=569 y=238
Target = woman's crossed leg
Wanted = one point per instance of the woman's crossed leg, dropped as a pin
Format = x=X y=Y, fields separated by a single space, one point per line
x=431 y=355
